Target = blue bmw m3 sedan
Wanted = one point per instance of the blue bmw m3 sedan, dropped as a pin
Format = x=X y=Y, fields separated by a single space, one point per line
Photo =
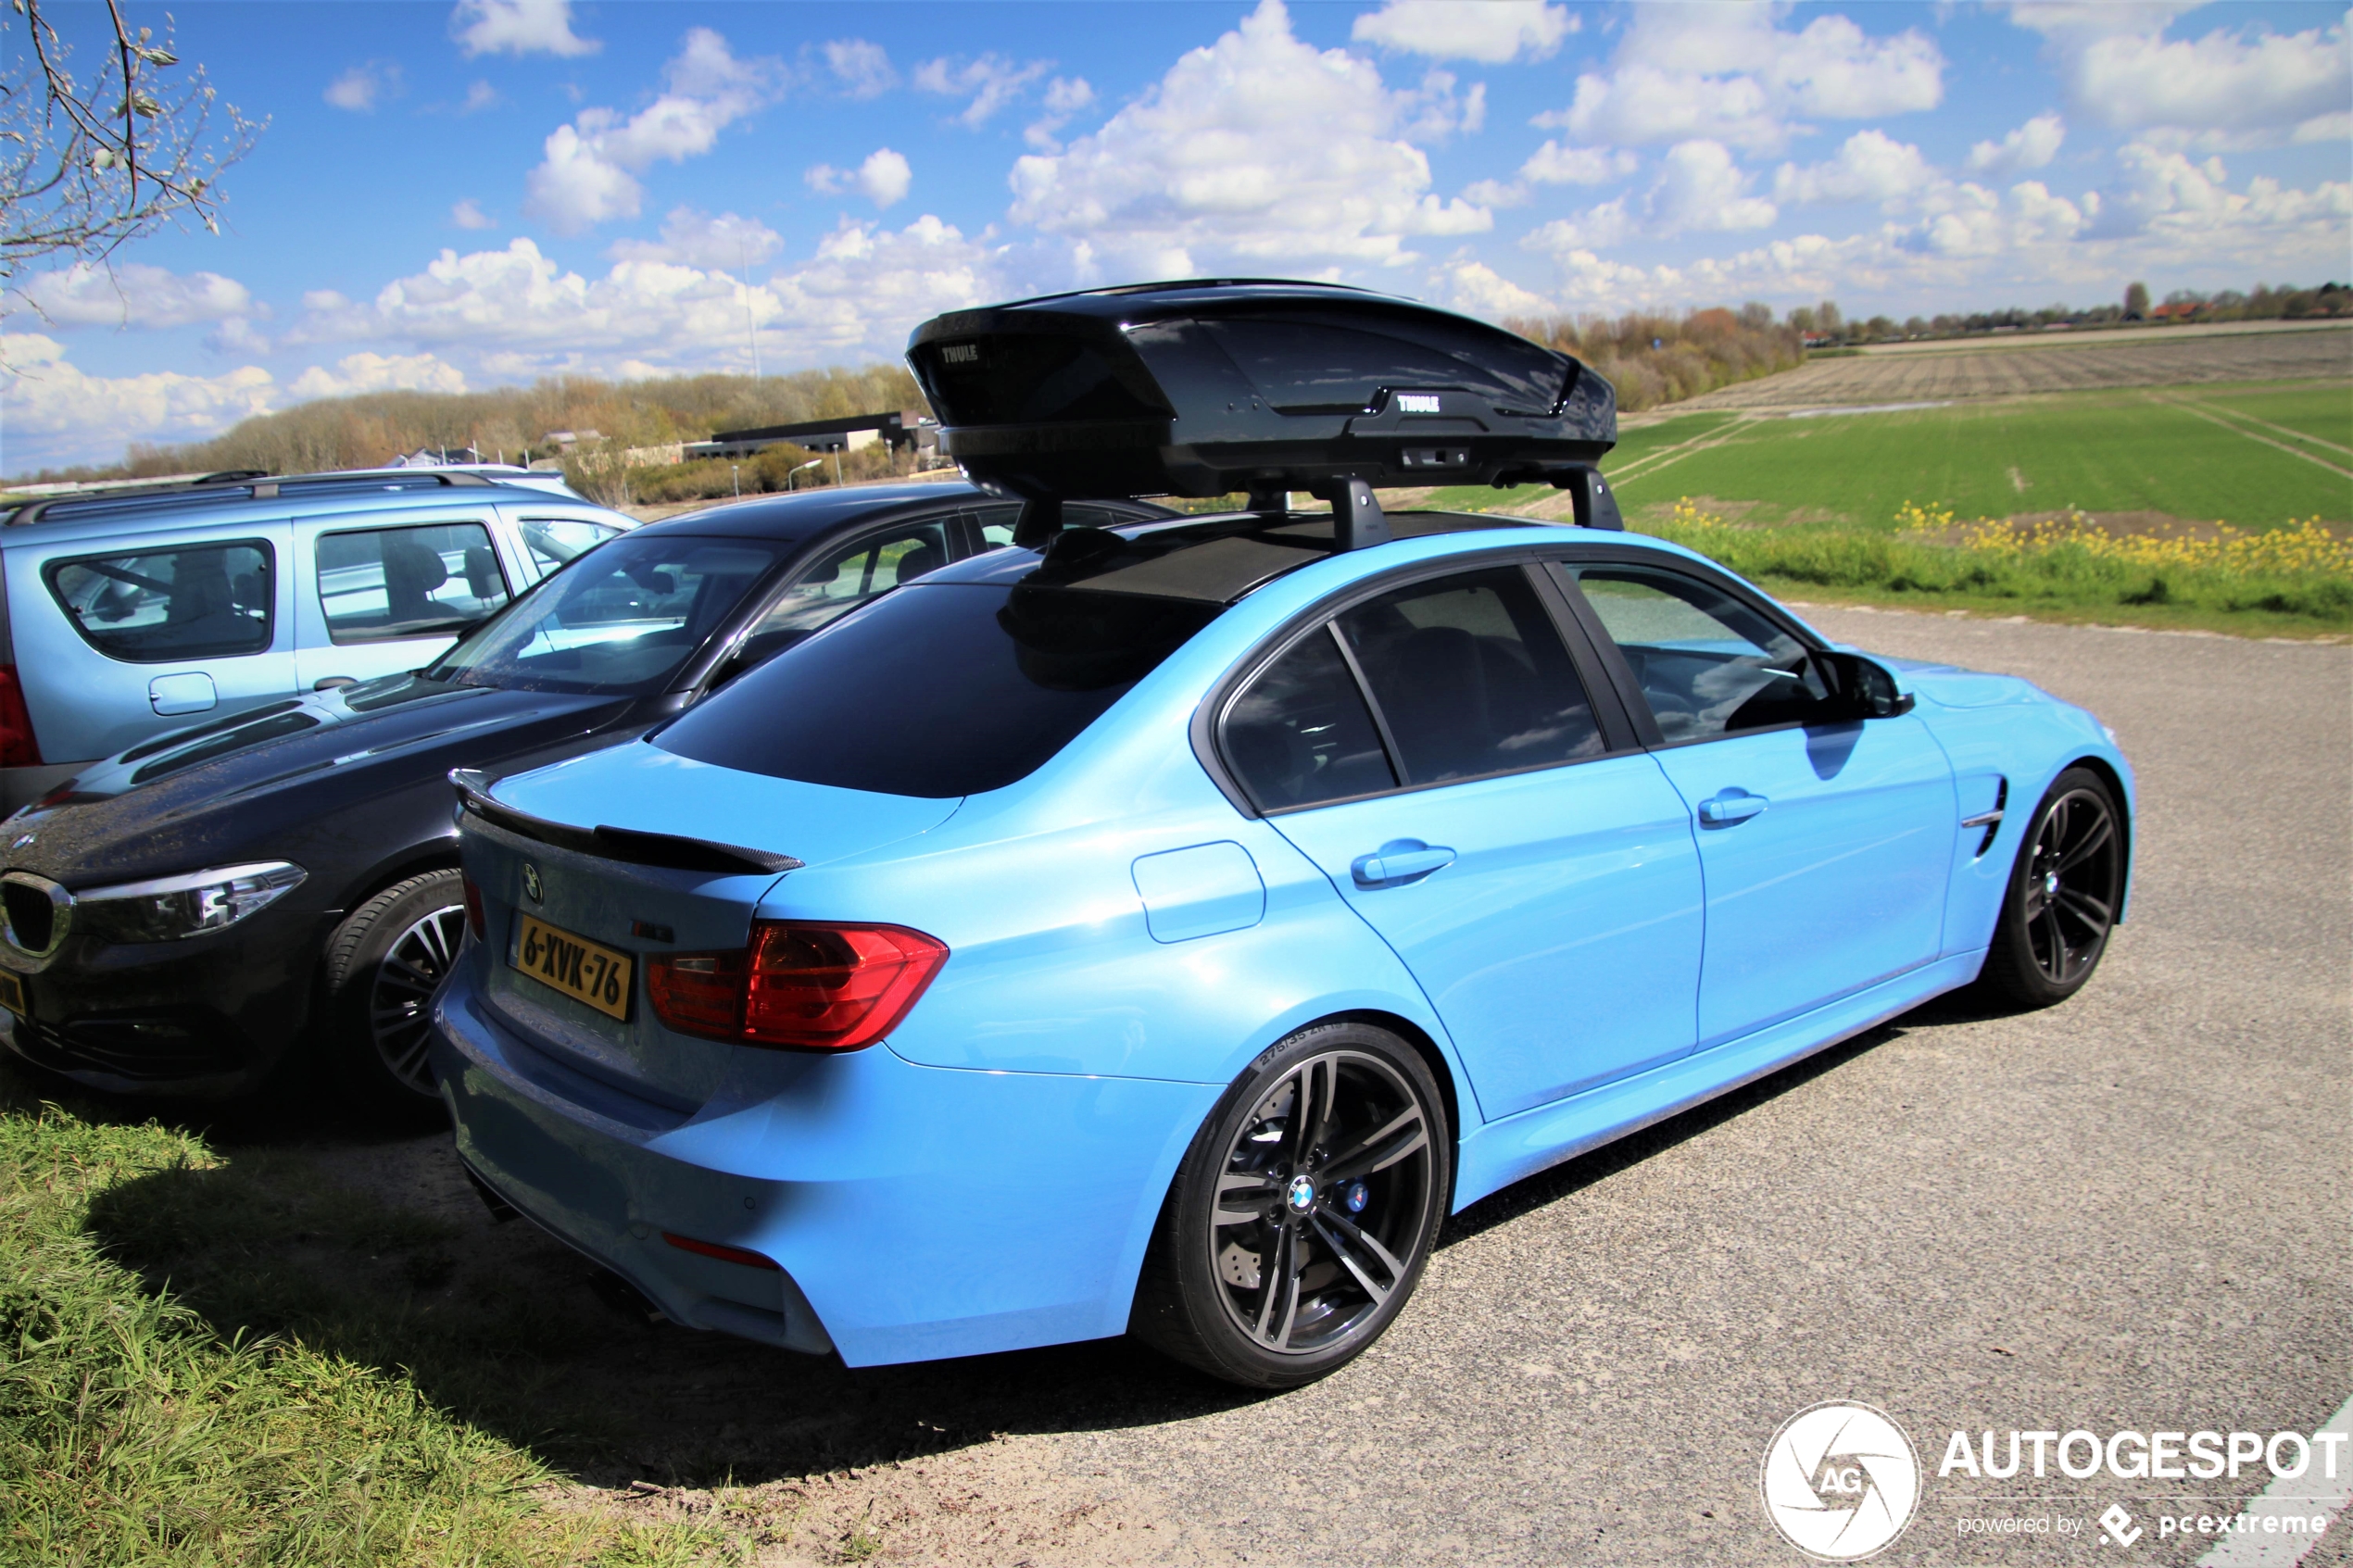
x=1160 y=929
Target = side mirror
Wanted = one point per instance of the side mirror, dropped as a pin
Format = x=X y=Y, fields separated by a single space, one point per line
x=1862 y=688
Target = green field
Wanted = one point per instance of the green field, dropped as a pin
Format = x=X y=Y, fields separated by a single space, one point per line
x=2190 y=453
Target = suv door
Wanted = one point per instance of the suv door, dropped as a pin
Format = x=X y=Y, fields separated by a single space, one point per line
x=388 y=594
x=1826 y=845
x=118 y=640
x=1434 y=750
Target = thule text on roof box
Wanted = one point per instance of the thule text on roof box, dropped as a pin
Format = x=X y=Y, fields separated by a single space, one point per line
x=1206 y=388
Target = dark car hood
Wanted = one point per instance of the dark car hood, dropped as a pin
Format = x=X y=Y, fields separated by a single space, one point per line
x=182 y=800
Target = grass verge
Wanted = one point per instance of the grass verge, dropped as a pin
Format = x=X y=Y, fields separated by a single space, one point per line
x=134 y=1432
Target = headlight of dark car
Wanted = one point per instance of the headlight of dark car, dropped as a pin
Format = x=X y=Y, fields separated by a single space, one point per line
x=170 y=908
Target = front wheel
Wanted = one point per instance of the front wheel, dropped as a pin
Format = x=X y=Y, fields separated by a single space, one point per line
x=1303 y=1213
x=383 y=964
x=2062 y=897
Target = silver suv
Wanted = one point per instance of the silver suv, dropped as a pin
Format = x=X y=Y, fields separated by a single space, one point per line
x=126 y=614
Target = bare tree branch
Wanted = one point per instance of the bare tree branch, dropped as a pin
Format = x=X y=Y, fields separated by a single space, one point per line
x=86 y=168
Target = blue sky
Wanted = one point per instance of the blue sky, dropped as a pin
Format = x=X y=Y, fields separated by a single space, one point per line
x=457 y=197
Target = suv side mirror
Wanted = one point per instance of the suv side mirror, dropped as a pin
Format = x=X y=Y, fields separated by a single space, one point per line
x=1862 y=688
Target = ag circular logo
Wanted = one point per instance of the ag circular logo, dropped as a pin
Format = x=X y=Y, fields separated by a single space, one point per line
x=1841 y=1481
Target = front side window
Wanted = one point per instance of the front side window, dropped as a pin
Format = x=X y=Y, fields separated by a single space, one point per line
x=947 y=689
x=190 y=601
x=621 y=622
x=849 y=575
x=378 y=584
x=1709 y=664
x=554 y=541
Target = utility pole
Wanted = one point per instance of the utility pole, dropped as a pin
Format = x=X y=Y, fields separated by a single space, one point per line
x=751 y=324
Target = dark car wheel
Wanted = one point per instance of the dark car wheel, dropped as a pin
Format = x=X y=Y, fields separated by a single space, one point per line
x=383 y=964
x=1303 y=1213
x=2062 y=897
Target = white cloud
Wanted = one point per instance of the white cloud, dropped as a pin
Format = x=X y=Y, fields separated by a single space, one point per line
x=1490 y=31
x=1699 y=186
x=725 y=243
x=1595 y=229
x=1729 y=73
x=375 y=372
x=1870 y=166
x=518 y=27
x=1480 y=290
x=132 y=293
x=515 y=313
x=58 y=414
x=1256 y=151
x=2031 y=145
x=363 y=87
x=588 y=174
x=882 y=179
x=2163 y=196
x=992 y=82
x=2245 y=88
x=468 y=214
x=1065 y=96
x=479 y=95
x=863 y=69
x=1555 y=165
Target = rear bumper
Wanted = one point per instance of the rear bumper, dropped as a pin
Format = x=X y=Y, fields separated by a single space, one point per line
x=914 y=1212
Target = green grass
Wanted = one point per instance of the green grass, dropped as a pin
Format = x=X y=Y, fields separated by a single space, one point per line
x=2322 y=409
x=134 y=1431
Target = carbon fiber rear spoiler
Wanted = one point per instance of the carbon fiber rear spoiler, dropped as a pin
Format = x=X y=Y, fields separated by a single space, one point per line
x=631 y=846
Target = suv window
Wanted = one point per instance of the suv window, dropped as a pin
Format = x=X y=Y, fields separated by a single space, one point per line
x=1472 y=678
x=552 y=541
x=378 y=584
x=1707 y=663
x=941 y=691
x=192 y=601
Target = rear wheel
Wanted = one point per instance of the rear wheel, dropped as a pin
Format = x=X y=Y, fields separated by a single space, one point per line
x=1302 y=1217
x=382 y=967
x=2062 y=898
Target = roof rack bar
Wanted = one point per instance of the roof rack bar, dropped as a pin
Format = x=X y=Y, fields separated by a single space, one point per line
x=247 y=484
x=1041 y=520
x=1358 y=524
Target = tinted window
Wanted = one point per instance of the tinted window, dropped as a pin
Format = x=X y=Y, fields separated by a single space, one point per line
x=623 y=620
x=380 y=583
x=997 y=522
x=552 y=541
x=939 y=691
x=1472 y=677
x=1707 y=663
x=1299 y=733
x=196 y=601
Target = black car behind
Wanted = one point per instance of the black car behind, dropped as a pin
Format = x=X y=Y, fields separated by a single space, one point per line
x=194 y=914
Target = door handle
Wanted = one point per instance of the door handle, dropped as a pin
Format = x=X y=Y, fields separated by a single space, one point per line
x=1724 y=809
x=1399 y=862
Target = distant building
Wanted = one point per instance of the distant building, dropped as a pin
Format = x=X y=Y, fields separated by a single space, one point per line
x=563 y=441
x=897 y=428
x=437 y=457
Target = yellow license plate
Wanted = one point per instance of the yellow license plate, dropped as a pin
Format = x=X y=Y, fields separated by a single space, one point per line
x=585 y=970
x=12 y=995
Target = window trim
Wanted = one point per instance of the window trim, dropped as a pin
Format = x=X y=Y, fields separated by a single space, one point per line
x=50 y=568
x=1560 y=566
x=490 y=538
x=1207 y=731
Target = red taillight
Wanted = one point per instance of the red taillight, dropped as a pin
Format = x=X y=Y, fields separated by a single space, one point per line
x=17 y=746
x=474 y=921
x=798 y=983
x=722 y=1251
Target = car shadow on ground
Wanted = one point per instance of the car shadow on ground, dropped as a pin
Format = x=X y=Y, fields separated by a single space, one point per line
x=371 y=1247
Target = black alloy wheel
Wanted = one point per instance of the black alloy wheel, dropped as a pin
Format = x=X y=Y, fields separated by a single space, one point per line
x=2062 y=899
x=1303 y=1214
x=383 y=965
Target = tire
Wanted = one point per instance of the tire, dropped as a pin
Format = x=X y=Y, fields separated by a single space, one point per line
x=2062 y=901
x=1274 y=1264
x=382 y=965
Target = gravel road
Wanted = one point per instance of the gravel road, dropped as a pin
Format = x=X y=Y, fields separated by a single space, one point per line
x=2132 y=1211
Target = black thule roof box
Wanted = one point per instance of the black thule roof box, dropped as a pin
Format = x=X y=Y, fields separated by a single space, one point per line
x=1208 y=387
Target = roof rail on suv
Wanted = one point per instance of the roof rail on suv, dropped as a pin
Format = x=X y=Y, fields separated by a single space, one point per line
x=236 y=484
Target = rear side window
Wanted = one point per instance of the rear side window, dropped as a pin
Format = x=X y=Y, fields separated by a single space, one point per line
x=189 y=601
x=940 y=691
x=1301 y=734
x=380 y=583
x=849 y=575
